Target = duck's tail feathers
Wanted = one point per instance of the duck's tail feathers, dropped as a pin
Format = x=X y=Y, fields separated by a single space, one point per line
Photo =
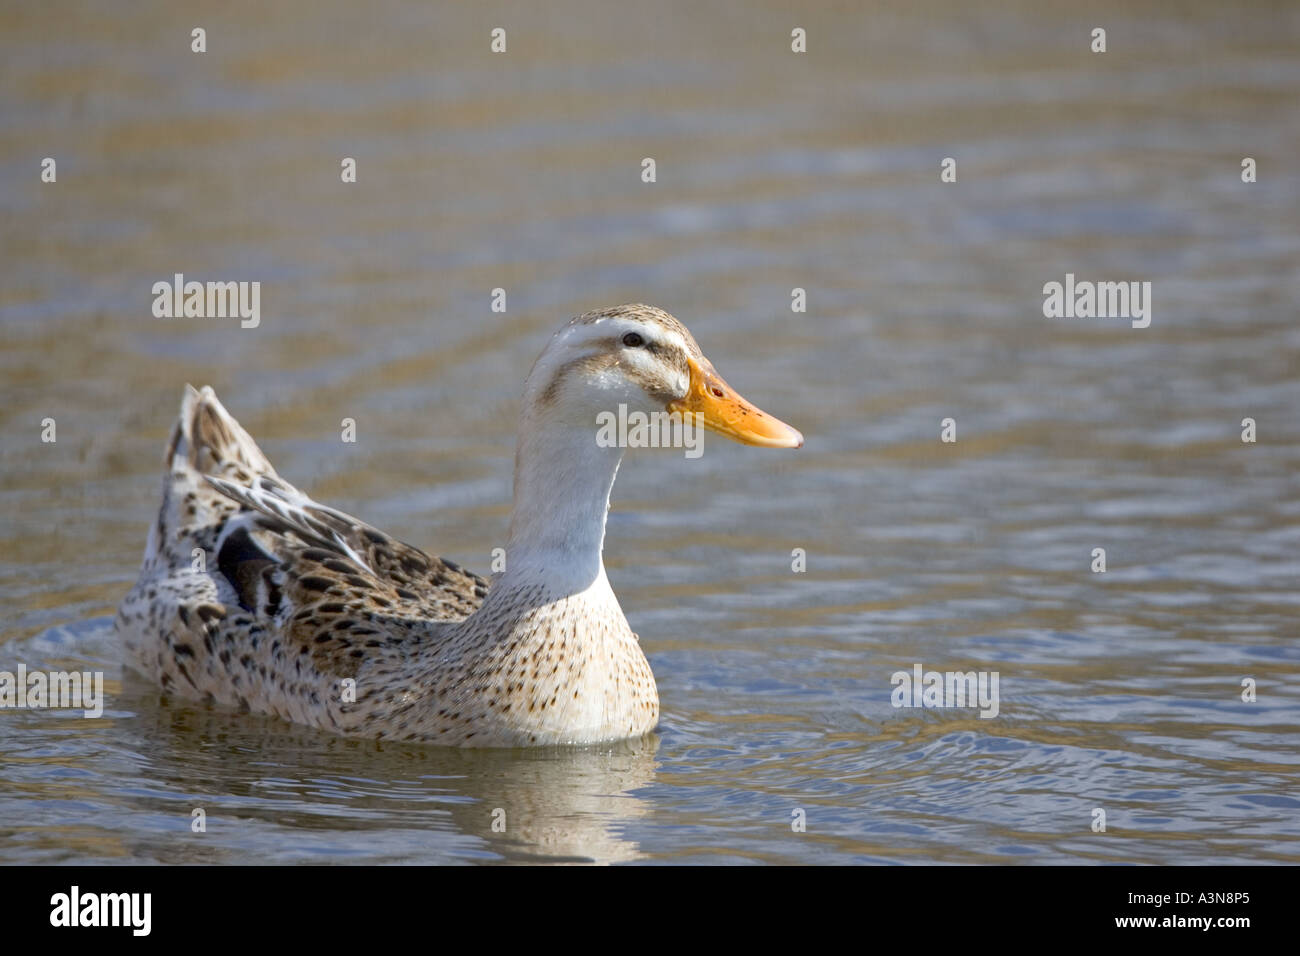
x=206 y=441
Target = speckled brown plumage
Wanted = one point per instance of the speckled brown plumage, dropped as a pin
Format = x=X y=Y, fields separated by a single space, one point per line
x=295 y=597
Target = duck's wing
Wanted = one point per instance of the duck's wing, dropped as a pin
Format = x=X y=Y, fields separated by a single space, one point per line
x=316 y=555
x=243 y=573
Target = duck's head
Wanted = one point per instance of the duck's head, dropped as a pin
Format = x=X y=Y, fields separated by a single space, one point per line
x=643 y=358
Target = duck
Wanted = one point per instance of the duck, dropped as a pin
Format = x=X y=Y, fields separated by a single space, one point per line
x=253 y=597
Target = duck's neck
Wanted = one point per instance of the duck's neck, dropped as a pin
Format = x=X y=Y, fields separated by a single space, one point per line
x=557 y=525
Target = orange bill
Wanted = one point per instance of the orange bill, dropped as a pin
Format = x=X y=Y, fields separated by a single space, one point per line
x=721 y=409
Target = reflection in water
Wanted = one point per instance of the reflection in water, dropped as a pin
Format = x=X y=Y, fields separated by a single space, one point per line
x=552 y=804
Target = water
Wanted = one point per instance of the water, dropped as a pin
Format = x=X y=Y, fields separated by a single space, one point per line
x=1119 y=691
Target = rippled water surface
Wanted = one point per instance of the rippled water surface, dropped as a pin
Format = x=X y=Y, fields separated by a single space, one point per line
x=1120 y=691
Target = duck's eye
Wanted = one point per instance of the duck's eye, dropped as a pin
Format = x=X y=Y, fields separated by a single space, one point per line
x=633 y=340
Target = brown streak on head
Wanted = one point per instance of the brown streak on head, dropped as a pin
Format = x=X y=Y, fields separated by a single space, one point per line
x=646 y=313
x=587 y=363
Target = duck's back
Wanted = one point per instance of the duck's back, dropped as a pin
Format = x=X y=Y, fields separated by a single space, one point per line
x=253 y=596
